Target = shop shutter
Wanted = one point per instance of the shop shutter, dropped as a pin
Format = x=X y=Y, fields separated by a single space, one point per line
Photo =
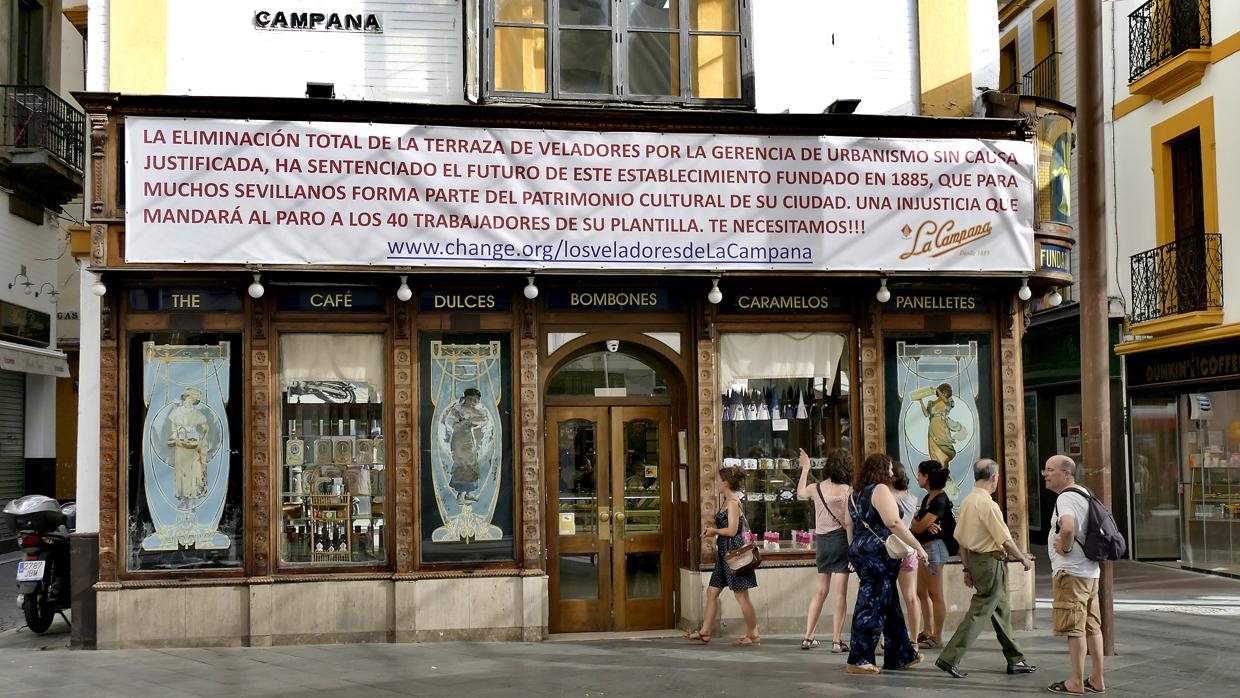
x=12 y=444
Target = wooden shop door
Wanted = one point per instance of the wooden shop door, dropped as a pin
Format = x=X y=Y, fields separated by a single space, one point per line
x=609 y=475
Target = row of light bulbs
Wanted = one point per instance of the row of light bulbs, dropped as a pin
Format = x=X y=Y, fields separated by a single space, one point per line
x=715 y=296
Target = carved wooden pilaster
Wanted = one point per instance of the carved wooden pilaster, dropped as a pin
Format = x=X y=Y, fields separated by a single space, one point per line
x=98 y=161
x=260 y=461
x=871 y=397
x=708 y=436
x=1013 y=401
x=531 y=471
x=109 y=444
x=98 y=244
x=402 y=448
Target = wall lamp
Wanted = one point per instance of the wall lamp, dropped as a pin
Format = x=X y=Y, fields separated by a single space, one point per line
x=51 y=289
x=25 y=280
x=403 y=292
x=1054 y=298
x=256 y=289
x=884 y=294
x=714 y=295
x=530 y=290
x=98 y=288
x=1024 y=293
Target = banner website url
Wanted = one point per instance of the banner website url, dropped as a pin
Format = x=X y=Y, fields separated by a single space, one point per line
x=564 y=251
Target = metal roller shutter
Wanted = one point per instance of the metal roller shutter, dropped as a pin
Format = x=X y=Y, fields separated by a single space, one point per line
x=12 y=443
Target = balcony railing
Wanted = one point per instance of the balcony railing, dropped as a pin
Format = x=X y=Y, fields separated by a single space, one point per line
x=1160 y=30
x=1180 y=277
x=32 y=116
x=1043 y=79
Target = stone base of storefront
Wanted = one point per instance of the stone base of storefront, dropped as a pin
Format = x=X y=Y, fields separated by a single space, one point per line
x=782 y=600
x=315 y=612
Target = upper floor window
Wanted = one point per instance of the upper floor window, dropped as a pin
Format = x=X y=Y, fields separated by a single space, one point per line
x=631 y=50
x=29 y=40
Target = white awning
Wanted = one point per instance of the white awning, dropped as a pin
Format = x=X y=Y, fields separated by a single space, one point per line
x=47 y=362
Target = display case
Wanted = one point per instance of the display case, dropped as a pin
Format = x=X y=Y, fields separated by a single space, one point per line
x=767 y=419
x=1211 y=441
x=333 y=483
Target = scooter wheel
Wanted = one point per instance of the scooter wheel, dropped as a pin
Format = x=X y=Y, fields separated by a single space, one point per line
x=37 y=607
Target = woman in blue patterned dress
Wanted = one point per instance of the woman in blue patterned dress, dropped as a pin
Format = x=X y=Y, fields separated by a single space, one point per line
x=729 y=523
x=873 y=515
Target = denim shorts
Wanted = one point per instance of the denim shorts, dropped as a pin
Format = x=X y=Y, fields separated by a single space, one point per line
x=936 y=551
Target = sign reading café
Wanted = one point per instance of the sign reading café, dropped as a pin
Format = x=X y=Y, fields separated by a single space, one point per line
x=262 y=192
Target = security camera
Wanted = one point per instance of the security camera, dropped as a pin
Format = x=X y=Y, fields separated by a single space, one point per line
x=613 y=345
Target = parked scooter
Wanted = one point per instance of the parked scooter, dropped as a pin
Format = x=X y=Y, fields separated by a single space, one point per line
x=43 y=528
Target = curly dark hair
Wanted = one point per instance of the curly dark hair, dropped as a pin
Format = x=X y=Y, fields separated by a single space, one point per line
x=873 y=471
x=733 y=475
x=899 y=477
x=936 y=474
x=839 y=468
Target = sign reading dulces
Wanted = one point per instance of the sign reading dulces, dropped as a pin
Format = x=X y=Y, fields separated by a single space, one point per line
x=223 y=191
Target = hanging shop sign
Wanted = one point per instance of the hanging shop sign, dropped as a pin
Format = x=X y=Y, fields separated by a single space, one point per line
x=457 y=300
x=183 y=300
x=623 y=299
x=935 y=302
x=776 y=302
x=336 y=299
x=227 y=191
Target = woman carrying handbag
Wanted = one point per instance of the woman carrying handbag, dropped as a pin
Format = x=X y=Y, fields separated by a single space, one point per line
x=729 y=523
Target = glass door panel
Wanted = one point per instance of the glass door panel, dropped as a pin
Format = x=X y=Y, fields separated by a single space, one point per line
x=640 y=554
x=1156 y=478
x=580 y=566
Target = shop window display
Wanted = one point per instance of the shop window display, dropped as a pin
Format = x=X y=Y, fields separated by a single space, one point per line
x=1210 y=429
x=333 y=453
x=186 y=485
x=466 y=456
x=782 y=392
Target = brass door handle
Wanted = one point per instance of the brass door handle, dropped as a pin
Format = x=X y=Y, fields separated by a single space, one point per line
x=604 y=523
x=619 y=517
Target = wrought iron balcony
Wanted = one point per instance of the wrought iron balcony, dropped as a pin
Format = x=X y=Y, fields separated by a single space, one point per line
x=1042 y=80
x=1180 y=277
x=1160 y=30
x=34 y=117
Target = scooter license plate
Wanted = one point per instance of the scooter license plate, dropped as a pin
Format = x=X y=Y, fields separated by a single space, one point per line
x=30 y=570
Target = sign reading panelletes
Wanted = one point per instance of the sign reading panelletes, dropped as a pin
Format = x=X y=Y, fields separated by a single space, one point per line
x=221 y=191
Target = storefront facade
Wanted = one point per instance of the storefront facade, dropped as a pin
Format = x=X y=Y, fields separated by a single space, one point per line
x=327 y=447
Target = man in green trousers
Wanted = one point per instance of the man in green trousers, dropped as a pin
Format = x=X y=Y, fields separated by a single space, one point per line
x=985 y=547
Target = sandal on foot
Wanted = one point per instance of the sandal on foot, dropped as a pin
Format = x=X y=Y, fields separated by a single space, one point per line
x=862 y=669
x=809 y=643
x=912 y=663
x=839 y=647
x=929 y=644
x=922 y=637
x=697 y=636
x=1090 y=688
x=747 y=641
x=1062 y=687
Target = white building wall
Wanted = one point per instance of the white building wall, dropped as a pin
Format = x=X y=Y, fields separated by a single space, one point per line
x=1131 y=159
x=984 y=42
x=808 y=53
x=97 y=45
x=216 y=49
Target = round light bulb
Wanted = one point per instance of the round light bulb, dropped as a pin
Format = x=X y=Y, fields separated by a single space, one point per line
x=403 y=293
x=530 y=291
x=98 y=288
x=1054 y=299
x=884 y=294
x=715 y=296
x=1025 y=293
x=256 y=289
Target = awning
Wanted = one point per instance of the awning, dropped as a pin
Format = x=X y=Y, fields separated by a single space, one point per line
x=47 y=362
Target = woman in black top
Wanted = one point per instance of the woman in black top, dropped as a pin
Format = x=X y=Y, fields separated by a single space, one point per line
x=935 y=511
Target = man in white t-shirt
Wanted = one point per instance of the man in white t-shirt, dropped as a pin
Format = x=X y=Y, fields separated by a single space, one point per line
x=1076 y=613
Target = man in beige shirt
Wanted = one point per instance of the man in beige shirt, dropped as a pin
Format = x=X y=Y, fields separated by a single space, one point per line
x=985 y=547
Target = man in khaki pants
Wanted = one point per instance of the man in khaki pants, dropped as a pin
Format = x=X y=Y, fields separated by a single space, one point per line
x=985 y=547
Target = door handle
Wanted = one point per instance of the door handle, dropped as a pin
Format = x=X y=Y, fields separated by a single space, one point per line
x=604 y=523
x=619 y=519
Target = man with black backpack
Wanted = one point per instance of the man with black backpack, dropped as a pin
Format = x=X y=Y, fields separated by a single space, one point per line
x=1075 y=609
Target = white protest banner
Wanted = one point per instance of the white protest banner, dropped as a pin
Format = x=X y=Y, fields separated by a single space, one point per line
x=261 y=192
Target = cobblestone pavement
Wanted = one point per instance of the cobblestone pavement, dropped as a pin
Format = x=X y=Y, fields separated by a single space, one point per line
x=1176 y=633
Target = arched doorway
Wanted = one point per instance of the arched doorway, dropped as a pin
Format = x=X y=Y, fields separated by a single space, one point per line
x=609 y=482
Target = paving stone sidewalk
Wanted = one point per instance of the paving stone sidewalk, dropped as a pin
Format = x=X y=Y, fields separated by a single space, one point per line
x=1177 y=632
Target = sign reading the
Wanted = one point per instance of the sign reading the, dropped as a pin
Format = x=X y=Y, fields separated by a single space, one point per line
x=183 y=300
x=457 y=300
x=251 y=192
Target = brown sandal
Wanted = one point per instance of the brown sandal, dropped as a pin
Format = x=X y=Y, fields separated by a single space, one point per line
x=747 y=641
x=697 y=636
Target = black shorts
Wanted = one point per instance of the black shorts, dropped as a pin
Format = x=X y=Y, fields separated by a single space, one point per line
x=833 y=552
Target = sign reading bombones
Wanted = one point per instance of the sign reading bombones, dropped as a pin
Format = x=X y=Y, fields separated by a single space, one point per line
x=222 y=191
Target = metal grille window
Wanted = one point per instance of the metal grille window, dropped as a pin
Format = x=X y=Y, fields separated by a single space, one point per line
x=632 y=50
x=1160 y=30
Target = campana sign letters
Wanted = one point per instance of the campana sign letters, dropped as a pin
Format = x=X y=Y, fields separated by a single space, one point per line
x=368 y=22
